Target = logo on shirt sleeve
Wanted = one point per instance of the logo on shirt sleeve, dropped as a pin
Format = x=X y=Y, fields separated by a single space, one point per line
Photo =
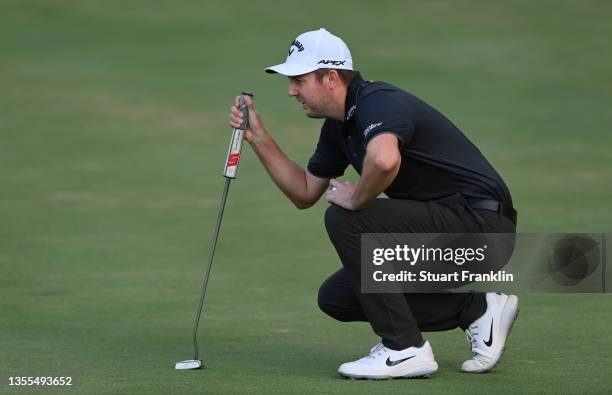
x=369 y=128
x=351 y=111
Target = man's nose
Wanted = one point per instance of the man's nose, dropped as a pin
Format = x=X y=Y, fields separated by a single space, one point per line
x=292 y=91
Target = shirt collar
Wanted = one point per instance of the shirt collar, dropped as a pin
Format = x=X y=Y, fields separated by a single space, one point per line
x=350 y=103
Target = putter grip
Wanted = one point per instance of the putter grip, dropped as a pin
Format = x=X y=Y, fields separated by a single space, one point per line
x=235 y=148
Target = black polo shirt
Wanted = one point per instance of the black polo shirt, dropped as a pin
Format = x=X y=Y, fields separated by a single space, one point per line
x=437 y=158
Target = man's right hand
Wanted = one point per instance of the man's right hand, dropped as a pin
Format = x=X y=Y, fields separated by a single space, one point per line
x=256 y=128
x=301 y=187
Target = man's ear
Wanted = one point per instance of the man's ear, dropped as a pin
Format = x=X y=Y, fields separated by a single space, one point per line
x=334 y=78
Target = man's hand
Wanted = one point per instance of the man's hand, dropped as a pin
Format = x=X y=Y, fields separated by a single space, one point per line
x=301 y=187
x=256 y=128
x=342 y=194
x=380 y=166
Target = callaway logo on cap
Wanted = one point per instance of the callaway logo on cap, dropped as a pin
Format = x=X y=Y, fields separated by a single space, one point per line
x=314 y=50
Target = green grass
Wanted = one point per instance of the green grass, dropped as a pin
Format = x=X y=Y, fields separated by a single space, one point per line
x=113 y=130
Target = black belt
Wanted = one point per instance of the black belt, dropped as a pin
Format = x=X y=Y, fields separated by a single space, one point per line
x=493 y=205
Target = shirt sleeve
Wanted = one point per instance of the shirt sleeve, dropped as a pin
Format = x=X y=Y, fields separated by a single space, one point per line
x=382 y=112
x=328 y=160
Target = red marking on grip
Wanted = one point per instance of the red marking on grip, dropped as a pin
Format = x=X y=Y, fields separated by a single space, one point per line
x=232 y=160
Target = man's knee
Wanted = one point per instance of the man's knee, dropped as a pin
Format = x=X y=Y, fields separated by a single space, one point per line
x=323 y=301
x=329 y=306
x=336 y=218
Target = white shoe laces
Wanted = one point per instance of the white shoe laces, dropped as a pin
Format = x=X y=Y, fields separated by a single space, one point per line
x=479 y=355
x=470 y=335
x=377 y=350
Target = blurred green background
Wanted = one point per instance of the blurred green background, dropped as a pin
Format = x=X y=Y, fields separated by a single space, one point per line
x=113 y=132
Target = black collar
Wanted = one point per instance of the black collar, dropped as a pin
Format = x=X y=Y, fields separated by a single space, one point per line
x=351 y=96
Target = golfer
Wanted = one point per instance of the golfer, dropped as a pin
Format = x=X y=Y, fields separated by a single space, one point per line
x=436 y=181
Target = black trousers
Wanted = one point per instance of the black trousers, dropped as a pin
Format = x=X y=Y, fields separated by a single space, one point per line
x=399 y=318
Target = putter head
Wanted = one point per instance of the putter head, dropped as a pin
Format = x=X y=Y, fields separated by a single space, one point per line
x=189 y=364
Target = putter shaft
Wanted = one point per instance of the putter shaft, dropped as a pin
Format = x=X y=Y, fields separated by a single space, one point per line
x=210 y=261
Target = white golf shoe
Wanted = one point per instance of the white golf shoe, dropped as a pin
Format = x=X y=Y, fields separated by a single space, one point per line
x=487 y=335
x=384 y=363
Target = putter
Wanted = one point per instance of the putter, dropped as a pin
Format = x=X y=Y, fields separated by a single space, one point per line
x=229 y=172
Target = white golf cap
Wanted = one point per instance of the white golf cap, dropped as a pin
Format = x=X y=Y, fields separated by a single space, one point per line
x=314 y=50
